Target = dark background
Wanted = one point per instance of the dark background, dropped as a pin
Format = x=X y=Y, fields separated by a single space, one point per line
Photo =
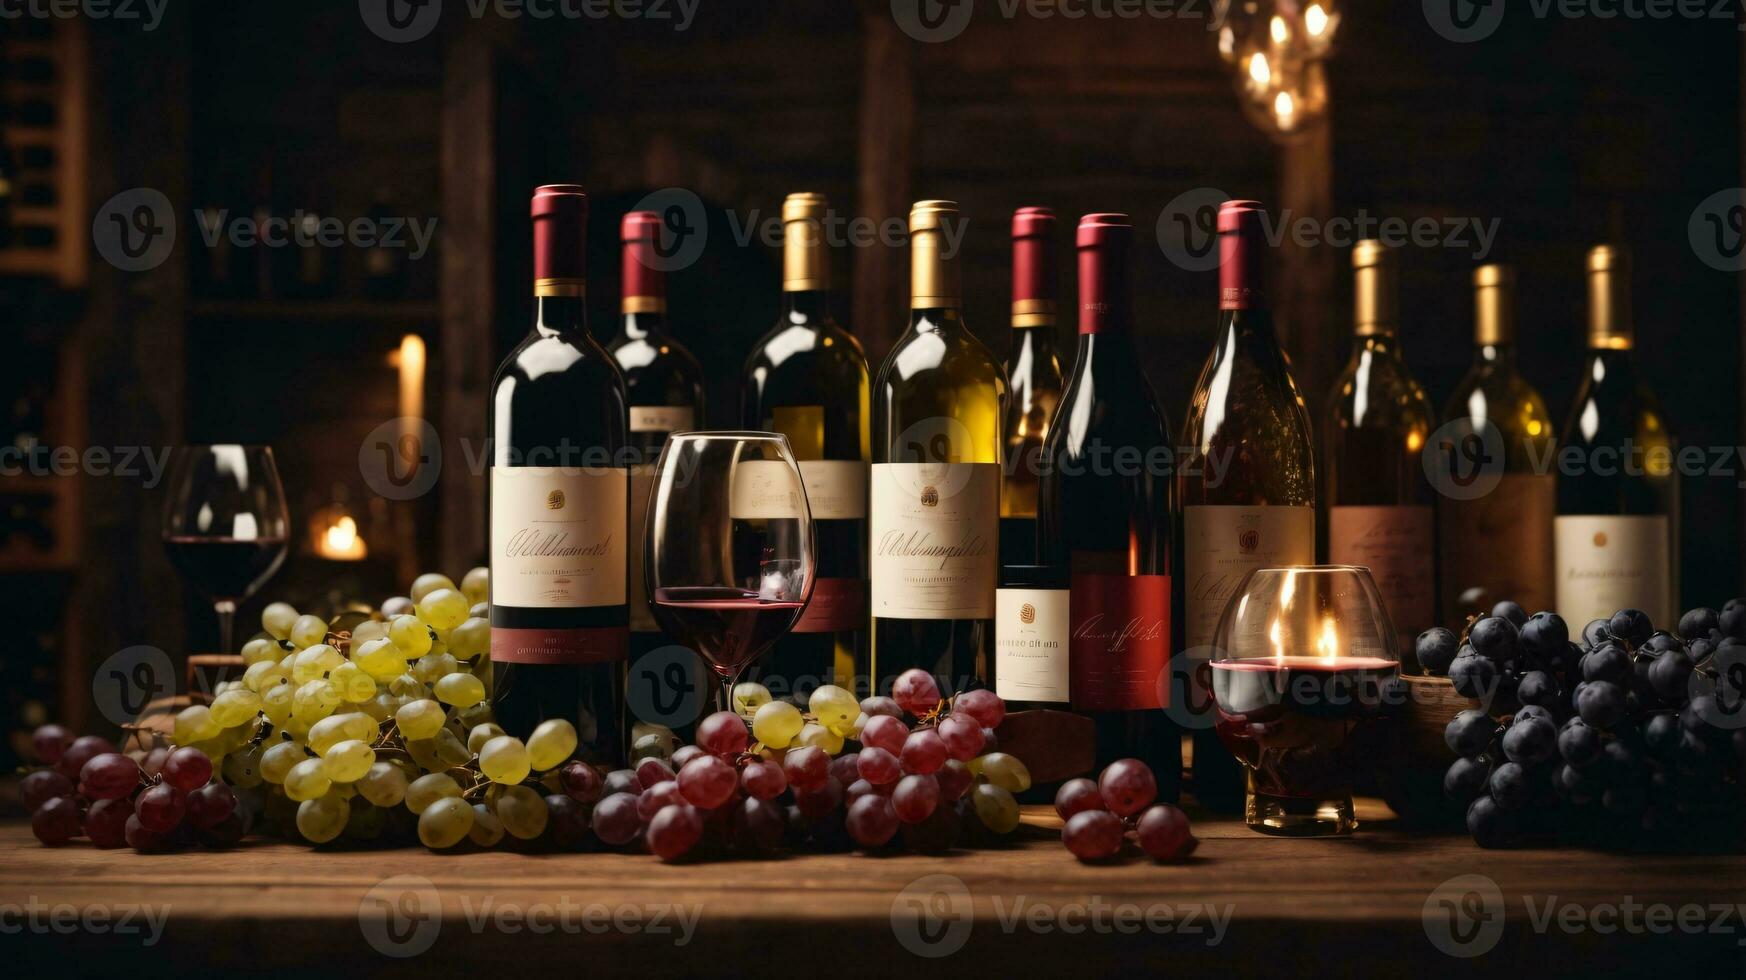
x=1567 y=131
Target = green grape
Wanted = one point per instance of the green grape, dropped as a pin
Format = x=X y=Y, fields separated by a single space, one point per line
x=420 y=719
x=433 y=667
x=314 y=663
x=995 y=807
x=777 y=723
x=551 y=743
x=450 y=750
x=369 y=629
x=444 y=609
x=260 y=650
x=835 y=708
x=321 y=818
x=1003 y=770
x=476 y=584
x=313 y=701
x=384 y=785
x=427 y=583
x=480 y=610
x=243 y=769
x=381 y=707
x=276 y=701
x=308 y=631
x=327 y=733
x=278 y=760
x=424 y=753
x=819 y=736
x=262 y=675
x=307 y=780
x=195 y=724
x=411 y=635
x=460 y=689
x=366 y=822
x=407 y=686
x=379 y=658
x=235 y=706
x=277 y=619
x=749 y=696
x=650 y=746
x=522 y=811
x=470 y=639
x=344 y=791
x=504 y=760
x=487 y=830
x=444 y=823
x=480 y=734
x=427 y=789
x=215 y=749
x=475 y=716
x=669 y=742
x=348 y=761
x=352 y=683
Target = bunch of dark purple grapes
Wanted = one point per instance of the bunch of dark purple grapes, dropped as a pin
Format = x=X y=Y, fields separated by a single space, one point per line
x=1611 y=739
x=150 y=800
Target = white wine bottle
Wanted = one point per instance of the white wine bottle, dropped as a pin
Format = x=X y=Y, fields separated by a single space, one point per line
x=935 y=494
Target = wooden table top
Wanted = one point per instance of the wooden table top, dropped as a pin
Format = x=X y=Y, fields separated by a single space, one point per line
x=1377 y=903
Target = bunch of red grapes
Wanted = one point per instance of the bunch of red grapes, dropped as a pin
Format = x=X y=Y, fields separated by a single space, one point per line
x=151 y=801
x=1100 y=815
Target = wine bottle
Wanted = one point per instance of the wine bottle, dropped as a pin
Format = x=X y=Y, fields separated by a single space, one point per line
x=1497 y=493
x=1105 y=512
x=558 y=497
x=807 y=379
x=1033 y=372
x=1617 y=531
x=935 y=494
x=1379 y=502
x=1247 y=484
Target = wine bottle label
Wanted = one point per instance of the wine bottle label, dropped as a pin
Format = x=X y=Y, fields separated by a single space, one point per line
x=934 y=531
x=1608 y=563
x=765 y=490
x=642 y=480
x=1120 y=642
x=838 y=605
x=596 y=645
x=836 y=489
x=1222 y=544
x=1031 y=644
x=661 y=418
x=1396 y=544
x=558 y=536
x=1499 y=546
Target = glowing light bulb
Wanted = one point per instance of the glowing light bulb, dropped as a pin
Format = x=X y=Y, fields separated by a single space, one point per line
x=1259 y=72
x=1315 y=20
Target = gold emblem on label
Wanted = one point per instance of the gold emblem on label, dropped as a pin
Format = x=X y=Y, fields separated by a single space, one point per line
x=1027 y=614
x=555 y=500
x=930 y=496
x=1600 y=539
x=1249 y=540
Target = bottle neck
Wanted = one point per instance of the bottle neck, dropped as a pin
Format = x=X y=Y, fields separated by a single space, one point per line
x=806 y=306
x=560 y=315
x=936 y=319
x=1242 y=285
x=1500 y=354
x=643 y=326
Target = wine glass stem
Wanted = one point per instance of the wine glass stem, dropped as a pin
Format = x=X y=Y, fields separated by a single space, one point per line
x=226 y=611
x=730 y=679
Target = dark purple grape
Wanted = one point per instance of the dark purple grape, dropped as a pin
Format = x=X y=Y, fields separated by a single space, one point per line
x=187 y=769
x=227 y=833
x=1496 y=639
x=1608 y=662
x=1530 y=742
x=567 y=822
x=109 y=776
x=106 y=822
x=621 y=781
x=1579 y=743
x=872 y=821
x=1538 y=687
x=1670 y=675
x=39 y=787
x=1631 y=625
x=1698 y=622
x=49 y=742
x=1469 y=732
x=846 y=768
x=144 y=839
x=83 y=750
x=615 y=819
x=1436 y=649
x=936 y=834
x=1490 y=824
x=581 y=780
x=1511 y=786
x=1541 y=712
x=1511 y=611
x=1474 y=676
x=57 y=821
x=760 y=825
x=1626 y=799
x=1579 y=786
x=814 y=804
x=1595 y=633
x=1466 y=778
x=211 y=805
x=1601 y=704
x=1093 y=835
x=1661 y=642
x=1732 y=620
x=1545 y=636
x=1661 y=733
x=161 y=808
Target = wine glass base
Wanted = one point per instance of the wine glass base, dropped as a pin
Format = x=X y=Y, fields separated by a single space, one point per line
x=1289 y=816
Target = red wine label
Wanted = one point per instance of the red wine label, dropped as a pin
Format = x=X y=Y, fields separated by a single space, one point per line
x=1608 y=563
x=559 y=646
x=934 y=534
x=642 y=480
x=838 y=605
x=661 y=418
x=1499 y=546
x=1031 y=630
x=1395 y=543
x=1120 y=642
x=558 y=536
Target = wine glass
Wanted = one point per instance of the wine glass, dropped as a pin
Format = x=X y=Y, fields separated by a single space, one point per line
x=1304 y=659
x=225 y=527
x=728 y=552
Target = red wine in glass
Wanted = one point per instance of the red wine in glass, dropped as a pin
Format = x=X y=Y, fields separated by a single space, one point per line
x=226 y=527
x=225 y=568
x=729 y=626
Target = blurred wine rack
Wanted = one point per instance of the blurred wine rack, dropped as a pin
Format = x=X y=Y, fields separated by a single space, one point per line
x=42 y=93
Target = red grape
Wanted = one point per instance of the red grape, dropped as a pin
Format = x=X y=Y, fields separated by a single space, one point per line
x=567 y=822
x=983 y=705
x=83 y=750
x=1077 y=796
x=723 y=733
x=656 y=798
x=916 y=691
x=684 y=754
x=915 y=798
x=885 y=732
x=674 y=831
x=210 y=805
x=580 y=780
x=871 y=821
x=878 y=766
x=815 y=803
x=807 y=767
x=623 y=781
x=616 y=820
x=48 y=742
x=161 y=808
x=858 y=789
x=955 y=778
x=57 y=821
x=106 y=822
x=1093 y=834
x=760 y=824
x=846 y=767
x=763 y=780
x=142 y=838
x=109 y=776
x=1127 y=786
x=875 y=706
x=1165 y=834
x=153 y=763
x=652 y=771
x=963 y=737
x=187 y=769
x=42 y=786
x=227 y=833
x=923 y=752
x=935 y=835
x=708 y=782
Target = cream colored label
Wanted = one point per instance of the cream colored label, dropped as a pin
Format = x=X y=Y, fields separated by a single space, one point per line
x=1613 y=562
x=933 y=538
x=765 y=490
x=836 y=489
x=1030 y=644
x=661 y=418
x=1223 y=544
x=642 y=480
x=558 y=536
x=1395 y=543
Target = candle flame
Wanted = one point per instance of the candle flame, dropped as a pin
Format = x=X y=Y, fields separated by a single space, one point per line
x=1328 y=643
x=341 y=541
x=1274 y=633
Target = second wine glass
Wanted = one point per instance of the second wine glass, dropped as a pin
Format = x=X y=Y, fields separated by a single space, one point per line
x=728 y=551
